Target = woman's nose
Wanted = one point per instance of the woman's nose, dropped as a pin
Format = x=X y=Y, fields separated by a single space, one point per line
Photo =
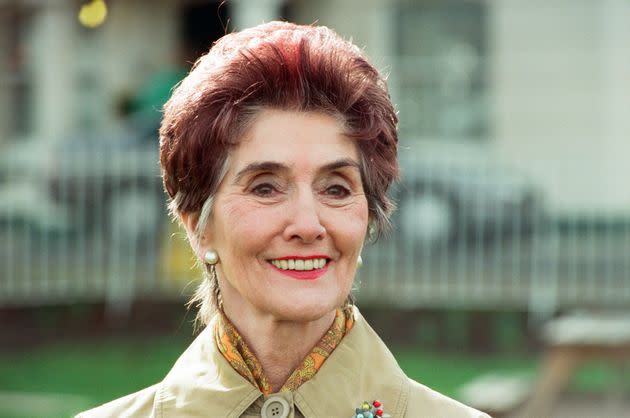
x=304 y=220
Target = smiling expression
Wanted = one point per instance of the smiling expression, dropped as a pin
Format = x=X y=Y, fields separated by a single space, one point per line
x=289 y=218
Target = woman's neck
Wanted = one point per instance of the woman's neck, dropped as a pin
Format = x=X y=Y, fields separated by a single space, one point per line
x=279 y=346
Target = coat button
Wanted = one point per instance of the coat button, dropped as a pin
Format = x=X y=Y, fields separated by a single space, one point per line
x=275 y=407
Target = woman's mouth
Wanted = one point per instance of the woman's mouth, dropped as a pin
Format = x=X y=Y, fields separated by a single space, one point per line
x=303 y=268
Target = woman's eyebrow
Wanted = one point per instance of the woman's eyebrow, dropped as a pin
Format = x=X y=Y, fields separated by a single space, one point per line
x=342 y=163
x=259 y=166
x=274 y=166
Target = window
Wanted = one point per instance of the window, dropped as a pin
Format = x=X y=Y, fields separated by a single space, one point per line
x=15 y=86
x=442 y=69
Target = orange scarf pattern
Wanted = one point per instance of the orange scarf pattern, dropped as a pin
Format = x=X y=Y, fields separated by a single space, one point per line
x=243 y=360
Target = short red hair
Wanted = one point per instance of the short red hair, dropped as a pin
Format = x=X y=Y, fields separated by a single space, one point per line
x=282 y=66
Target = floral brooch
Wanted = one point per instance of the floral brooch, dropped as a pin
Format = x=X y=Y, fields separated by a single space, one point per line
x=373 y=410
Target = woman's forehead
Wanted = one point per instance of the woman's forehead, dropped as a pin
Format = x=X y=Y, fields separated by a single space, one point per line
x=296 y=140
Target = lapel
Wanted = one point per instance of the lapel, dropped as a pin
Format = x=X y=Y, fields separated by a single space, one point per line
x=360 y=369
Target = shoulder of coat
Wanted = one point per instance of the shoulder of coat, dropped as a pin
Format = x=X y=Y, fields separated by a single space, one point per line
x=138 y=404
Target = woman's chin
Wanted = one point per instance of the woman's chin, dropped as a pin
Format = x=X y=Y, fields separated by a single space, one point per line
x=301 y=301
x=302 y=311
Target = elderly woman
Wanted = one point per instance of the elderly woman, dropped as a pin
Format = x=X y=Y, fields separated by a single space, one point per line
x=277 y=151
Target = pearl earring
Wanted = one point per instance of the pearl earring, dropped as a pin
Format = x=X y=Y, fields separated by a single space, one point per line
x=359 y=261
x=211 y=257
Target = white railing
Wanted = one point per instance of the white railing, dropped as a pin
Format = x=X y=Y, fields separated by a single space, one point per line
x=92 y=227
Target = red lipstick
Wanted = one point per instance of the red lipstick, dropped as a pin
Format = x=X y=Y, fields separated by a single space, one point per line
x=303 y=274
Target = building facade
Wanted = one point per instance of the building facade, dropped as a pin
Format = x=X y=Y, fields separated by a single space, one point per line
x=538 y=85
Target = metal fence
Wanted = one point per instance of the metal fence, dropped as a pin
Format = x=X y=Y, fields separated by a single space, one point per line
x=481 y=237
x=86 y=226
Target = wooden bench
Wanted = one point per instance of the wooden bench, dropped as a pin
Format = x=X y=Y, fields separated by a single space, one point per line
x=570 y=342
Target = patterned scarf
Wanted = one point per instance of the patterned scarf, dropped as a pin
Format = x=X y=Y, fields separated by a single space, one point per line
x=243 y=360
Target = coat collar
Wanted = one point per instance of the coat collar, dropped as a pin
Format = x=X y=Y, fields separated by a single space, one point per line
x=360 y=369
x=202 y=382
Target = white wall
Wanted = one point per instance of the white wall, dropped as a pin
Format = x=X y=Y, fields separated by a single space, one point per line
x=51 y=52
x=615 y=57
x=248 y=13
x=367 y=22
x=5 y=74
x=559 y=83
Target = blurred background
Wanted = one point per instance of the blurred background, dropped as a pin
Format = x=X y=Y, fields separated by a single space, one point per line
x=506 y=280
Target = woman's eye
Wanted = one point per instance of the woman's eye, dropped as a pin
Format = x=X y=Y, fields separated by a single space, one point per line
x=338 y=191
x=264 y=190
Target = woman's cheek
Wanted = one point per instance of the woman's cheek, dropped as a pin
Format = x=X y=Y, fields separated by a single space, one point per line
x=355 y=217
x=253 y=217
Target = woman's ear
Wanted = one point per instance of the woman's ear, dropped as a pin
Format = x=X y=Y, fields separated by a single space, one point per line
x=371 y=230
x=190 y=220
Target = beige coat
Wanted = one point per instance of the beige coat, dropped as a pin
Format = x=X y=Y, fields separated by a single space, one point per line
x=203 y=384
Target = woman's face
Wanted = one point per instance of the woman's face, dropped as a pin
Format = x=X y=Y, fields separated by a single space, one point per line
x=289 y=218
